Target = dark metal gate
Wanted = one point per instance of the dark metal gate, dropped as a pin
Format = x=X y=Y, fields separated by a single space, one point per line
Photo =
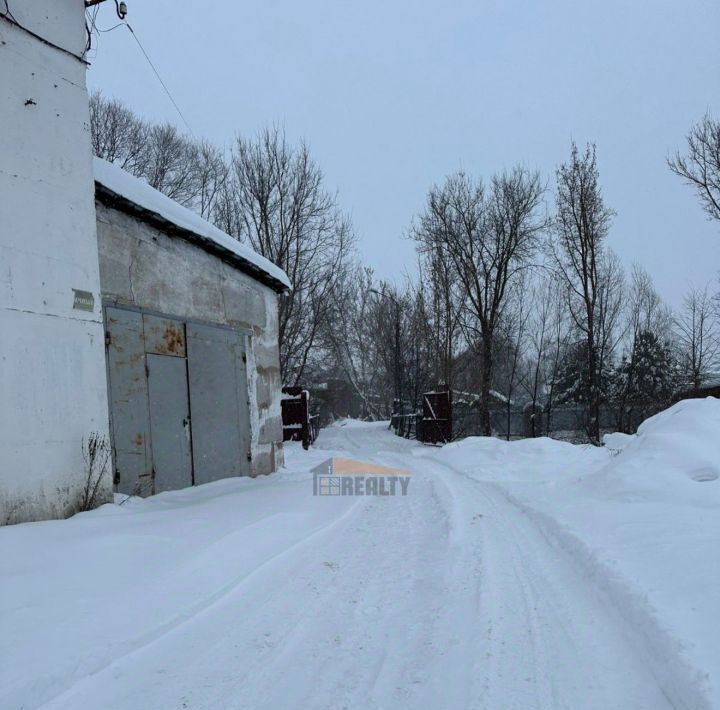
x=430 y=423
x=436 y=424
x=298 y=424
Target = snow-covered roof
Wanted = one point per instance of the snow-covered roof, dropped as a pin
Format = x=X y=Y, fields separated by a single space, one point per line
x=135 y=195
x=471 y=397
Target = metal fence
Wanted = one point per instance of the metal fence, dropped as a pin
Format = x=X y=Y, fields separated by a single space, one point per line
x=439 y=419
x=568 y=421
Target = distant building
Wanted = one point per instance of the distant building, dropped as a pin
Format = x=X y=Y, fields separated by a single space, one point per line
x=710 y=387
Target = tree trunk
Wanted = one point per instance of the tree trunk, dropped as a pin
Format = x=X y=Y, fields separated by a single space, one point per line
x=593 y=428
x=485 y=382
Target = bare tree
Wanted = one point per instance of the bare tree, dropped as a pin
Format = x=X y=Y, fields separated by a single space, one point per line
x=514 y=327
x=189 y=170
x=700 y=166
x=441 y=296
x=211 y=174
x=378 y=336
x=117 y=134
x=697 y=337
x=548 y=337
x=275 y=199
x=581 y=226
x=489 y=240
x=610 y=308
x=350 y=338
x=169 y=165
x=646 y=310
x=423 y=371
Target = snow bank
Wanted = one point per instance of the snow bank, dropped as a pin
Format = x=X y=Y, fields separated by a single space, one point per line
x=138 y=191
x=79 y=594
x=671 y=452
x=541 y=460
x=617 y=441
x=641 y=515
x=359 y=424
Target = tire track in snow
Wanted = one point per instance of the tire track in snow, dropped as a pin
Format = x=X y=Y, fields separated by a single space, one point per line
x=273 y=666
x=613 y=662
x=195 y=614
x=404 y=603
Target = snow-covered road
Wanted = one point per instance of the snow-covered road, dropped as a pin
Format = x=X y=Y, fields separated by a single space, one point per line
x=256 y=594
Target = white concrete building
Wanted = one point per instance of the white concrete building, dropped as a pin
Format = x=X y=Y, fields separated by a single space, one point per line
x=128 y=316
x=52 y=372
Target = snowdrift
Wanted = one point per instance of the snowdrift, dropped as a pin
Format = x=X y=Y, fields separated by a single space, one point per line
x=641 y=516
x=539 y=460
x=672 y=453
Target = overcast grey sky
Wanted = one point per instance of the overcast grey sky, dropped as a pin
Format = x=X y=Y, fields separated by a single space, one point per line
x=392 y=96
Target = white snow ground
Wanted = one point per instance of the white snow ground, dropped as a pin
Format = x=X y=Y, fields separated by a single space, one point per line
x=532 y=574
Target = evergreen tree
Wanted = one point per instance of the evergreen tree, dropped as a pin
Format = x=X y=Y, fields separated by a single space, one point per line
x=573 y=382
x=643 y=383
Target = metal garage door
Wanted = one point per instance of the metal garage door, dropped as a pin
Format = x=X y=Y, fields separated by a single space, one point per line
x=178 y=399
x=219 y=402
x=169 y=422
x=129 y=413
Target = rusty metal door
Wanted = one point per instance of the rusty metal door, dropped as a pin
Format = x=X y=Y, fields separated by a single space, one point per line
x=169 y=422
x=294 y=408
x=129 y=415
x=437 y=417
x=219 y=401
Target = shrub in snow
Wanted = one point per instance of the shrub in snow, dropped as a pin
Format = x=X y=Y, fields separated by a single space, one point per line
x=96 y=454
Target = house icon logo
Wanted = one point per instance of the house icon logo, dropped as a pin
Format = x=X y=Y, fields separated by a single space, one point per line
x=347 y=477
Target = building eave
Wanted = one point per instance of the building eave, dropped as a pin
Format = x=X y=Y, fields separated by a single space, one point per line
x=112 y=199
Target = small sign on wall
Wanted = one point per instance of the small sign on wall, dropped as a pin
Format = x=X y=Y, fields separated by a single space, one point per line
x=83 y=300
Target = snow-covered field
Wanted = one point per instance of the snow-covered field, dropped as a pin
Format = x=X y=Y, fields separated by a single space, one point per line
x=531 y=574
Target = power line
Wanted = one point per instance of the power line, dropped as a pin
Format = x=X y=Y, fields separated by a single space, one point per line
x=157 y=74
x=91 y=25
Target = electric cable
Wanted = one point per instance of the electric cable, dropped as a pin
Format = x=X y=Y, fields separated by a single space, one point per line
x=157 y=74
x=9 y=17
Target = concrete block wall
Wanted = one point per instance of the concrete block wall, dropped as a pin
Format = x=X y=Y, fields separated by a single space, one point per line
x=144 y=267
